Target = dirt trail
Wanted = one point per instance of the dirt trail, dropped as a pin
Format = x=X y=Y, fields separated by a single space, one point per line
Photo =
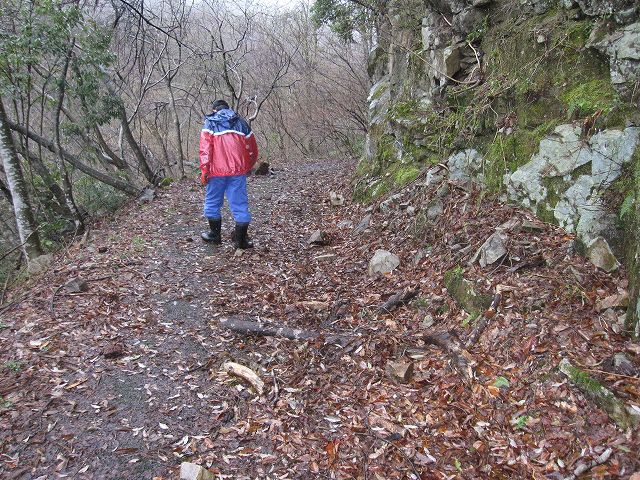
x=155 y=294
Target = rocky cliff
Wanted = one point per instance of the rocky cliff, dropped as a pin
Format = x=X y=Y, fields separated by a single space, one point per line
x=533 y=100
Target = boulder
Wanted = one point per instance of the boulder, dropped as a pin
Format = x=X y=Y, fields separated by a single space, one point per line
x=383 y=261
x=599 y=253
x=39 y=265
x=623 y=49
x=550 y=184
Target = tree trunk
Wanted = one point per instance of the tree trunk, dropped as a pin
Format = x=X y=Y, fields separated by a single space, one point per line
x=176 y=122
x=27 y=229
x=75 y=161
x=62 y=168
x=43 y=172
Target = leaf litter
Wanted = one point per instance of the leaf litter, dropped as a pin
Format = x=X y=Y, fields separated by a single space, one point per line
x=124 y=379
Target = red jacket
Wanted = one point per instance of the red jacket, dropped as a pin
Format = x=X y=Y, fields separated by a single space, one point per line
x=227 y=146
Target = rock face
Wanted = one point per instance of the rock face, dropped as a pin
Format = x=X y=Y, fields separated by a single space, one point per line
x=474 y=92
x=466 y=166
x=565 y=180
x=383 y=261
x=623 y=49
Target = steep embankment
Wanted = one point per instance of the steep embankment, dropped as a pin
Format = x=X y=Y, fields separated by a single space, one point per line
x=122 y=379
x=536 y=101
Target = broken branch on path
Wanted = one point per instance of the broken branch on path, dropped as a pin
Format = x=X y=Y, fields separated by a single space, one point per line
x=239 y=325
x=482 y=323
x=585 y=467
x=245 y=373
x=448 y=341
x=398 y=299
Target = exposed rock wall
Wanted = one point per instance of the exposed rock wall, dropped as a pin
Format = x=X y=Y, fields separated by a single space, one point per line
x=536 y=100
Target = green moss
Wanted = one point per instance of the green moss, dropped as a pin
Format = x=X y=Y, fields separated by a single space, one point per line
x=590 y=97
x=464 y=294
x=405 y=174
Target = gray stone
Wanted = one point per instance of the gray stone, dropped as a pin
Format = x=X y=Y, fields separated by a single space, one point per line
x=600 y=254
x=191 y=471
x=39 y=265
x=363 y=225
x=623 y=49
x=434 y=176
x=551 y=173
x=336 y=199
x=492 y=250
x=400 y=371
x=466 y=166
x=147 y=195
x=435 y=210
x=427 y=322
x=467 y=20
x=76 y=285
x=604 y=8
x=383 y=261
x=390 y=202
x=344 y=224
x=319 y=238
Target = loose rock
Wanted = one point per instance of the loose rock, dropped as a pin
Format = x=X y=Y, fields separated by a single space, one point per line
x=191 y=471
x=400 y=371
x=383 y=261
x=319 y=238
x=336 y=199
x=363 y=225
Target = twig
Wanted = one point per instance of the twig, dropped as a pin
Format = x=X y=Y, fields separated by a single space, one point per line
x=481 y=325
x=53 y=299
x=448 y=342
x=276 y=388
x=398 y=299
x=585 y=467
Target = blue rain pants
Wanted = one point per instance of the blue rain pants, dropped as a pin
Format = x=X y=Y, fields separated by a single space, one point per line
x=235 y=188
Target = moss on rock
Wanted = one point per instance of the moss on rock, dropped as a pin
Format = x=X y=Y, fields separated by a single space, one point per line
x=464 y=294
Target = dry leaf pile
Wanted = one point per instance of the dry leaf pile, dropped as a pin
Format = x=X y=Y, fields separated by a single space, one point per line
x=125 y=378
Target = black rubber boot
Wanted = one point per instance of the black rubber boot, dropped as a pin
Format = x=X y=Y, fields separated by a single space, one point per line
x=213 y=236
x=240 y=237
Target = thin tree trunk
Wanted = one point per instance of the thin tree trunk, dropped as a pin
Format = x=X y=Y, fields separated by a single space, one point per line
x=62 y=168
x=75 y=161
x=135 y=147
x=43 y=172
x=27 y=229
x=176 y=121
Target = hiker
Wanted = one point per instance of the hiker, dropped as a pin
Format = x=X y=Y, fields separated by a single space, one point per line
x=228 y=152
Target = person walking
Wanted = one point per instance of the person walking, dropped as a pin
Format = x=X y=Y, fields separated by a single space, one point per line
x=228 y=152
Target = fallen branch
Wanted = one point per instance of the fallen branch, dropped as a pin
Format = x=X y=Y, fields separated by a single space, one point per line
x=398 y=299
x=600 y=395
x=246 y=374
x=239 y=325
x=448 y=341
x=483 y=321
x=585 y=467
